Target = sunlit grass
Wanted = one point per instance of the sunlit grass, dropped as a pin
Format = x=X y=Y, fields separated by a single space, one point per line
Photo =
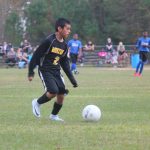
x=122 y=98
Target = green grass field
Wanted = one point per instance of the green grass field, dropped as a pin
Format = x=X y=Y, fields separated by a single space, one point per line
x=123 y=99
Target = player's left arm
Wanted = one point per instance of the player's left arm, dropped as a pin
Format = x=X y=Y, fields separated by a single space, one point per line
x=149 y=44
x=80 y=50
x=65 y=64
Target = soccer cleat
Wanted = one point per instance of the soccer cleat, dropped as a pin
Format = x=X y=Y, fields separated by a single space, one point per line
x=36 y=108
x=139 y=75
x=55 y=118
x=135 y=74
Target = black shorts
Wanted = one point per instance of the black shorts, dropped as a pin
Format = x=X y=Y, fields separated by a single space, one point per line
x=73 y=57
x=143 y=56
x=53 y=81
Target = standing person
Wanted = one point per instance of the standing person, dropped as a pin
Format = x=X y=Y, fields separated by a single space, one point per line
x=143 y=45
x=49 y=56
x=75 y=50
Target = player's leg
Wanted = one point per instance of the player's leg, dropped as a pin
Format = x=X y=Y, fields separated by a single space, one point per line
x=59 y=101
x=51 y=91
x=57 y=107
x=144 y=59
x=73 y=65
x=141 y=68
x=138 y=65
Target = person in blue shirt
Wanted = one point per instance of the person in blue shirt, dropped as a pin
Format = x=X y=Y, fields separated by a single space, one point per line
x=75 y=50
x=143 y=45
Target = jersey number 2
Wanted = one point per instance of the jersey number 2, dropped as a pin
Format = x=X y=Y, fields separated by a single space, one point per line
x=55 y=62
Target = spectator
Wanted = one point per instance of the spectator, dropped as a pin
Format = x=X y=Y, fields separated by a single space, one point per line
x=11 y=57
x=1 y=50
x=102 y=55
x=89 y=46
x=5 y=48
x=26 y=46
x=122 y=53
x=9 y=46
x=22 y=58
x=121 y=48
x=109 y=50
x=114 y=60
x=109 y=45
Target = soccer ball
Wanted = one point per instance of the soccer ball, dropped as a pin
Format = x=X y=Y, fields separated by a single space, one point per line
x=91 y=113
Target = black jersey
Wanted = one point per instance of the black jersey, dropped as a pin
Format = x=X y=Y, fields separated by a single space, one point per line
x=50 y=55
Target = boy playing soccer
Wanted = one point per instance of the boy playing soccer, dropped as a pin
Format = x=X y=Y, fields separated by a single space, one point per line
x=49 y=56
x=143 y=45
x=75 y=48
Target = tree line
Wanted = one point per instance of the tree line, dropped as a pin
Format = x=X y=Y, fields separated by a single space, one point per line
x=122 y=20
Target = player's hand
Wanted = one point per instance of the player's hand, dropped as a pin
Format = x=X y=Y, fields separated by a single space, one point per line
x=30 y=78
x=75 y=85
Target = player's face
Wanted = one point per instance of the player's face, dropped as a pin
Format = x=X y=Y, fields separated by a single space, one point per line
x=75 y=36
x=145 y=34
x=66 y=31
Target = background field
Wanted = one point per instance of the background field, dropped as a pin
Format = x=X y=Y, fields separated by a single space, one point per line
x=124 y=101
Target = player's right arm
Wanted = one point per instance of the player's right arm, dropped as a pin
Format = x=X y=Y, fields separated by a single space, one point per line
x=80 y=50
x=138 y=43
x=35 y=60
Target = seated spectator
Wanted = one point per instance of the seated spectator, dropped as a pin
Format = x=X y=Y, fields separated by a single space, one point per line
x=114 y=60
x=89 y=46
x=121 y=48
x=26 y=46
x=122 y=52
x=22 y=58
x=109 y=45
x=109 y=49
x=5 y=48
x=102 y=55
x=9 y=46
x=1 y=50
x=11 y=57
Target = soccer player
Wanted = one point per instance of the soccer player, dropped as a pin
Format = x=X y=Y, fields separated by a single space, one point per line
x=75 y=50
x=143 y=45
x=50 y=56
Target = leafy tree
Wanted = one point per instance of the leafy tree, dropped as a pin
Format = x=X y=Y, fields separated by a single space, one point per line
x=122 y=20
x=13 y=30
x=80 y=15
x=38 y=25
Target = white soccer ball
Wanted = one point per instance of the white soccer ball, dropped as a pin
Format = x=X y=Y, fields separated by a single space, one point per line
x=91 y=113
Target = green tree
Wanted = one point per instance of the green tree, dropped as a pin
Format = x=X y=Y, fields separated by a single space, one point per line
x=122 y=20
x=79 y=13
x=13 y=30
x=38 y=25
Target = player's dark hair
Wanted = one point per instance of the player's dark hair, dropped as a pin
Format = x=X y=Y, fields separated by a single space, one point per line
x=61 y=22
